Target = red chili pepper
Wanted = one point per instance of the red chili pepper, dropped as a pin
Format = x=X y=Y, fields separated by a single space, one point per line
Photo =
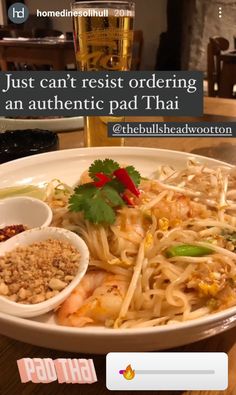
x=127 y=199
x=103 y=179
x=127 y=181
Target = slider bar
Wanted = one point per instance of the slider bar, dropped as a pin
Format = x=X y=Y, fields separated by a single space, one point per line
x=167 y=371
x=175 y=371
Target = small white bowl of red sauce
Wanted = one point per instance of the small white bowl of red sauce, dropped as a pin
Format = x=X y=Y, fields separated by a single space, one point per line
x=20 y=213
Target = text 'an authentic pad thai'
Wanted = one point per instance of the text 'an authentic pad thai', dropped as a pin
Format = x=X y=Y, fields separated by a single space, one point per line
x=162 y=251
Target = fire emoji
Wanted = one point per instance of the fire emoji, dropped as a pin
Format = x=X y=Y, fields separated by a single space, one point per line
x=128 y=373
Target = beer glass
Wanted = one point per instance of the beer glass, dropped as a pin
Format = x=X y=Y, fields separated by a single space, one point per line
x=103 y=35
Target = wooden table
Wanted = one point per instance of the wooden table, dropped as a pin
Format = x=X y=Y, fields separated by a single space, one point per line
x=58 y=54
x=11 y=350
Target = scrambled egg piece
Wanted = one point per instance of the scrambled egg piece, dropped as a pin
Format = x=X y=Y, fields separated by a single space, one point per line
x=148 y=241
x=163 y=224
x=209 y=289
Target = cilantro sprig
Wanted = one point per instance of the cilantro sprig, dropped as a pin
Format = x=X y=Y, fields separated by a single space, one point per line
x=134 y=175
x=98 y=204
x=107 y=166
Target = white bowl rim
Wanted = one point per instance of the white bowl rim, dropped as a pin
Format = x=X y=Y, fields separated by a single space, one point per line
x=34 y=200
x=113 y=150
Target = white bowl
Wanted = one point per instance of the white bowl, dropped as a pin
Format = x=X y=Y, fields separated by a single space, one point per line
x=35 y=235
x=24 y=210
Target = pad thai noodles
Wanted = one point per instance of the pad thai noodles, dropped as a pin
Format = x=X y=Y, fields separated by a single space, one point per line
x=169 y=257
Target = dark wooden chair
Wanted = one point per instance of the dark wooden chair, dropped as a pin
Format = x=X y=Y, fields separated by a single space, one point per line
x=137 y=50
x=11 y=32
x=14 y=32
x=42 y=33
x=214 y=49
x=4 y=32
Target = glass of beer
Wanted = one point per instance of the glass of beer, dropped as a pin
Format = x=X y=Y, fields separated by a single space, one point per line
x=103 y=35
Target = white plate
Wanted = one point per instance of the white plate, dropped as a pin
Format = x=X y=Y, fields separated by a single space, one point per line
x=67 y=124
x=68 y=165
x=15 y=39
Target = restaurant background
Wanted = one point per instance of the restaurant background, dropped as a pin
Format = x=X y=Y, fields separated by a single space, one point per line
x=175 y=32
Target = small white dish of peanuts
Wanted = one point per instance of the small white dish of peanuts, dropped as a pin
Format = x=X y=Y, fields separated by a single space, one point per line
x=39 y=268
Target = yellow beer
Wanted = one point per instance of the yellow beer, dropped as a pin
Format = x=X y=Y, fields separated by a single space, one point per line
x=103 y=42
x=96 y=132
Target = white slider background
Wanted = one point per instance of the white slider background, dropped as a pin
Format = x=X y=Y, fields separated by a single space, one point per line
x=188 y=371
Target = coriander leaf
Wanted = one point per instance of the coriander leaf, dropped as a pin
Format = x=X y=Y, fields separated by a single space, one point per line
x=82 y=194
x=120 y=188
x=106 y=166
x=87 y=189
x=95 y=203
x=112 y=196
x=134 y=174
x=98 y=212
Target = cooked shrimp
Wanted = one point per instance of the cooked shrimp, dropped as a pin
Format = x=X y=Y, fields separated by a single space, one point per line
x=85 y=178
x=178 y=208
x=97 y=299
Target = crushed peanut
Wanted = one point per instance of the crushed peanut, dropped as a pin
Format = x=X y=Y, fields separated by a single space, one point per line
x=37 y=272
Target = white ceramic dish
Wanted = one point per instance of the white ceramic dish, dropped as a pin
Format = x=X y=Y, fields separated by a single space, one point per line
x=68 y=165
x=67 y=124
x=36 y=235
x=24 y=210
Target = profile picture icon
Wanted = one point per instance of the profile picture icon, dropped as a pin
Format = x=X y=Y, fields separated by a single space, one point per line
x=18 y=13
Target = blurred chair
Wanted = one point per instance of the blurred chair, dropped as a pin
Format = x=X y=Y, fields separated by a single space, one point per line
x=13 y=32
x=69 y=36
x=34 y=22
x=4 y=32
x=137 y=50
x=215 y=46
x=42 y=33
